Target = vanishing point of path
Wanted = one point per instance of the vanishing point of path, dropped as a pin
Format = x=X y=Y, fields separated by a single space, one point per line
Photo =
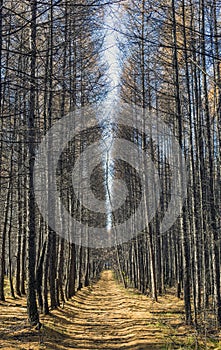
x=103 y=316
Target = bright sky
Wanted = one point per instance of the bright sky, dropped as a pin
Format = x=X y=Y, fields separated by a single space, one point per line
x=111 y=57
x=111 y=53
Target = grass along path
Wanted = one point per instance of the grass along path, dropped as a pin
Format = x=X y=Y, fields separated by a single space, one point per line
x=103 y=316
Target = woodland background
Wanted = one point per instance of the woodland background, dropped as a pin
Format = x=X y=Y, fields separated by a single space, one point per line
x=52 y=60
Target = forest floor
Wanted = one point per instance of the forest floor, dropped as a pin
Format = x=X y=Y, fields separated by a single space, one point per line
x=103 y=316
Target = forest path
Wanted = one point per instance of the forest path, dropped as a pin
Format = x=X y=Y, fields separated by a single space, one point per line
x=108 y=317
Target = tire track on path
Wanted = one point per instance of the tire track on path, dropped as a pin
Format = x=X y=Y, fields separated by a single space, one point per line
x=109 y=317
x=103 y=316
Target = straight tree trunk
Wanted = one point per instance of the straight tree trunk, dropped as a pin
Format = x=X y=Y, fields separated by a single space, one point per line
x=32 y=310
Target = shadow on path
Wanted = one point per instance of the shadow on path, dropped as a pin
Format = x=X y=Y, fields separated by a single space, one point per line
x=104 y=316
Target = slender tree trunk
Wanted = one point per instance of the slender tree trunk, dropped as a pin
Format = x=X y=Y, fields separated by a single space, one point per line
x=31 y=293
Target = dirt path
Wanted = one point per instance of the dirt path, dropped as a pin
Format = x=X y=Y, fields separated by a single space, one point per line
x=103 y=316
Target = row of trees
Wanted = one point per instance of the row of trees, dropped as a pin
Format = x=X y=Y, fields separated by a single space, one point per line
x=50 y=63
x=50 y=58
x=172 y=70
